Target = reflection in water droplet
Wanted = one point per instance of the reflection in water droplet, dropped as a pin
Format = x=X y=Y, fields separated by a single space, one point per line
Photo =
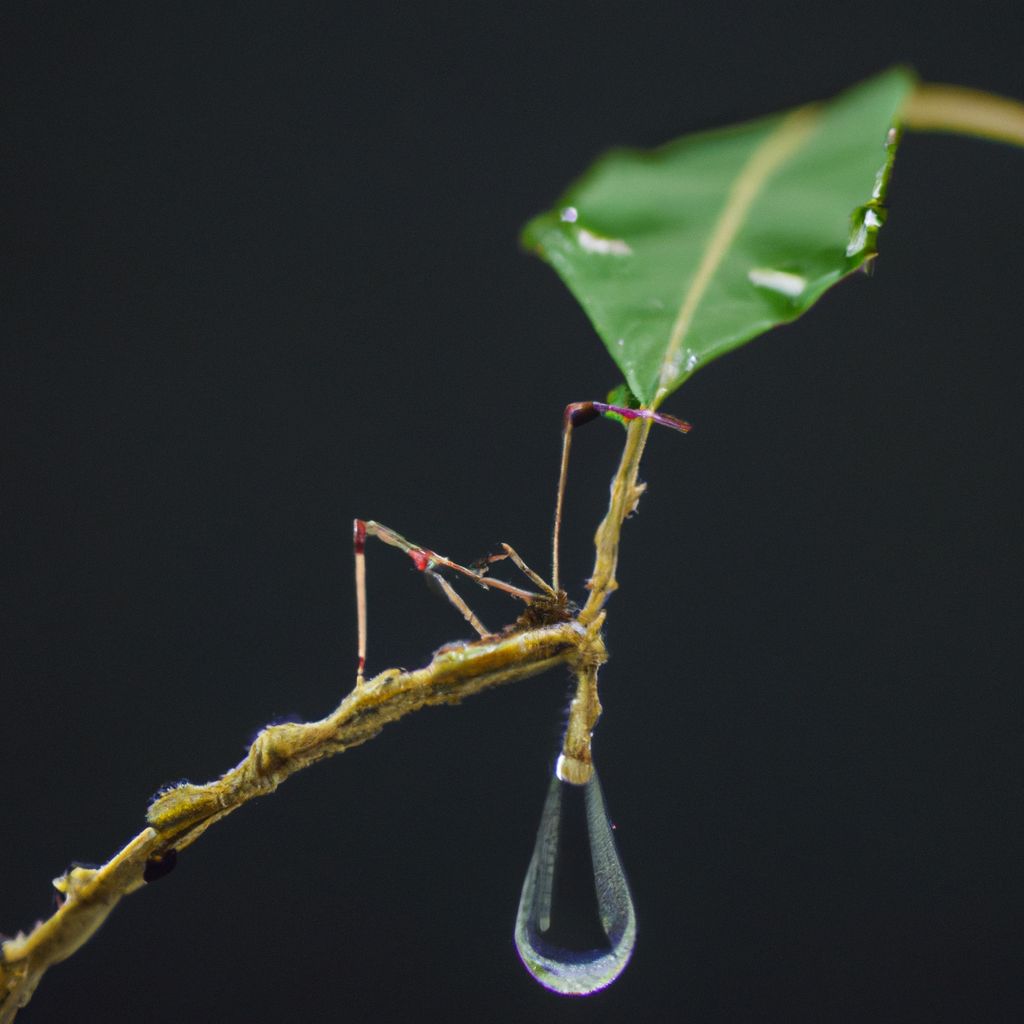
x=781 y=281
x=576 y=925
x=569 y=215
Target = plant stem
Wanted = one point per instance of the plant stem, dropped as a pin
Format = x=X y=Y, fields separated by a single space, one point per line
x=625 y=493
x=952 y=108
x=179 y=816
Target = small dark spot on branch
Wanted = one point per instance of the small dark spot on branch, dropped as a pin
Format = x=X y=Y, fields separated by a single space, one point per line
x=157 y=867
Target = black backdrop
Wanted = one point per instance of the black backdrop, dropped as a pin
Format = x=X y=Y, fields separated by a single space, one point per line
x=262 y=278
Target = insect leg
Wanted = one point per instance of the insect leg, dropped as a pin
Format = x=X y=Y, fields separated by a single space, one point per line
x=426 y=561
x=576 y=415
x=424 y=558
x=510 y=552
x=450 y=593
x=359 y=548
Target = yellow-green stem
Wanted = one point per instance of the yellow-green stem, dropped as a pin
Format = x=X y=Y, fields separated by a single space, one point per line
x=952 y=108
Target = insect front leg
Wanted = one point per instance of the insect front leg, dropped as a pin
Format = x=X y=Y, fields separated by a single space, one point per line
x=576 y=415
x=425 y=560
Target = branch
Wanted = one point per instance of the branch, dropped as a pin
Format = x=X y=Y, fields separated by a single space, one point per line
x=545 y=636
x=180 y=815
x=625 y=494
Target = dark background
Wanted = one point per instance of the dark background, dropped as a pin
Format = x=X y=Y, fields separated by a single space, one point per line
x=261 y=276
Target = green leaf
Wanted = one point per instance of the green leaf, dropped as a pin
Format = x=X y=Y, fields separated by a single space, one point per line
x=622 y=394
x=681 y=254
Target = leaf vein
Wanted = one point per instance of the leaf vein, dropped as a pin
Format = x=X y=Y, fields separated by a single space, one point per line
x=792 y=132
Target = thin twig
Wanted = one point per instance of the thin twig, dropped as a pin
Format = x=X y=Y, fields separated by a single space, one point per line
x=180 y=815
x=625 y=493
x=952 y=108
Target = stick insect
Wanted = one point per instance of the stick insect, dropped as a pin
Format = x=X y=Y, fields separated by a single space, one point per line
x=548 y=605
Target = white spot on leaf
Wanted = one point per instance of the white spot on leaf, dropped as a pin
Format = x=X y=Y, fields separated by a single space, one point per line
x=781 y=281
x=673 y=366
x=602 y=246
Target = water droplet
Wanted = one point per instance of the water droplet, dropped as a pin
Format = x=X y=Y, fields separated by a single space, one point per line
x=621 y=342
x=595 y=243
x=782 y=281
x=692 y=359
x=673 y=366
x=866 y=223
x=576 y=926
x=880 y=178
x=569 y=215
